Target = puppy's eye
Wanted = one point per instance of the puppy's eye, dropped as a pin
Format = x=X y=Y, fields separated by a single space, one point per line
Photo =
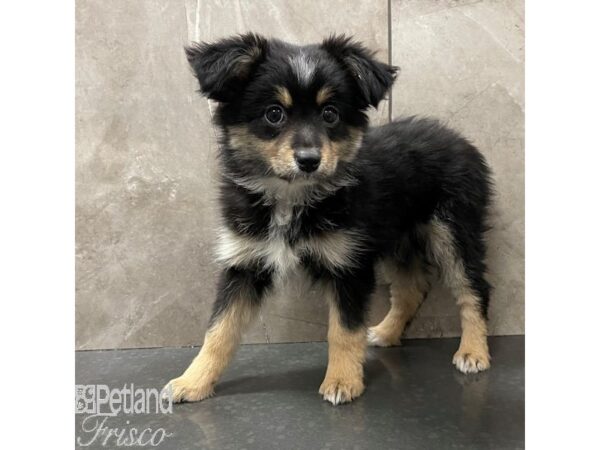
x=275 y=114
x=330 y=115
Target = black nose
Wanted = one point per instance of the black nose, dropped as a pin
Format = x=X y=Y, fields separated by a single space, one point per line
x=308 y=159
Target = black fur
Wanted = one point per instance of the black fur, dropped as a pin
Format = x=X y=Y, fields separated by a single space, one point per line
x=404 y=175
x=225 y=67
x=372 y=77
x=237 y=283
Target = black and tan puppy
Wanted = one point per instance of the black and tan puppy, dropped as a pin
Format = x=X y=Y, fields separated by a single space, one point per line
x=308 y=187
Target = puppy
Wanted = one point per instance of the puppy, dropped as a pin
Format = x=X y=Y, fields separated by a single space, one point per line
x=308 y=187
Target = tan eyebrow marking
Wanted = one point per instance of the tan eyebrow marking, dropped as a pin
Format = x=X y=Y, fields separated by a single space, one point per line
x=284 y=96
x=324 y=94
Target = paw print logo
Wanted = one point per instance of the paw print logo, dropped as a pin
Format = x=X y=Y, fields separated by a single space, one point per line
x=85 y=399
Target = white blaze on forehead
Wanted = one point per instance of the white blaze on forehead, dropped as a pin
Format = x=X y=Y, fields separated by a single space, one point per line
x=303 y=66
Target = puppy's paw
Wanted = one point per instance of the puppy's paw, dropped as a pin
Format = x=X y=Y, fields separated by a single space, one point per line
x=471 y=360
x=183 y=389
x=338 y=391
x=376 y=338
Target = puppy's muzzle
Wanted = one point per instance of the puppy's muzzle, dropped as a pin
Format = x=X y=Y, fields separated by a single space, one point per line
x=308 y=159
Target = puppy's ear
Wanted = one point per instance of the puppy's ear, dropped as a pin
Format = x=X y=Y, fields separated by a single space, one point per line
x=224 y=67
x=373 y=78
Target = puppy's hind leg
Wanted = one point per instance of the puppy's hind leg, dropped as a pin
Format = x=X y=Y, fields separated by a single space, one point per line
x=408 y=288
x=465 y=278
x=472 y=355
x=239 y=296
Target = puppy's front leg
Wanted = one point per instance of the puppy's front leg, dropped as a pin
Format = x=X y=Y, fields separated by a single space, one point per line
x=347 y=340
x=239 y=296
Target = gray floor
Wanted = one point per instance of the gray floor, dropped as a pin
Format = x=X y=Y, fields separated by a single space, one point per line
x=268 y=399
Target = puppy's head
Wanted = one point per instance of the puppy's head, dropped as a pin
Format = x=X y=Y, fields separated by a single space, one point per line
x=293 y=112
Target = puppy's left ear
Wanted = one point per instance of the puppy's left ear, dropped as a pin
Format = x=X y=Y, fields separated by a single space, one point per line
x=372 y=77
x=224 y=67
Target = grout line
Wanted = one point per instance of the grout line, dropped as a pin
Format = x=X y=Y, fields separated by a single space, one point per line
x=265 y=330
x=197 y=24
x=390 y=54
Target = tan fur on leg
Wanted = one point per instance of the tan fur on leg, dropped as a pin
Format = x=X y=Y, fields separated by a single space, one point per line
x=220 y=343
x=347 y=348
x=473 y=354
x=407 y=290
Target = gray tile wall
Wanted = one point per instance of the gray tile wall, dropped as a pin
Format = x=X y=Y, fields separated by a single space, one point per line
x=145 y=159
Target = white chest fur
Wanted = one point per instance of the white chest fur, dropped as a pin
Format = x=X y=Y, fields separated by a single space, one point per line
x=335 y=250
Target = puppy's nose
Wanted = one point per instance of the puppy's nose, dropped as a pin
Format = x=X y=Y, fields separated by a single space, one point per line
x=308 y=159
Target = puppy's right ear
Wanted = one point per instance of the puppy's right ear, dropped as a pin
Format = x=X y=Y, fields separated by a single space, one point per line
x=223 y=68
